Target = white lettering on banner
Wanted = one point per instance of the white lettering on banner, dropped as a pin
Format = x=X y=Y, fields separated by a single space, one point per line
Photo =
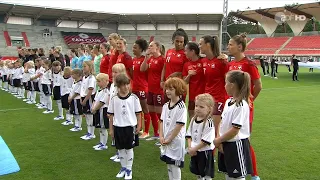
x=86 y=40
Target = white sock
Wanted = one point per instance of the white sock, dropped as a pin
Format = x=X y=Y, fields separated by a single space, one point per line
x=60 y=108
x=49 y=102
x=29 y=95
x=103 y=136
x=6 y=85
x=169 y=172
x=129 y=159
x=68 y=116
x=89 y=119
x=15 y=90
x=41 y=98
x=23 y=92
x=122 y=156
x=199 y=178
x=78 y=120
x=1 y=84
x=176 y=172
x=33 y=96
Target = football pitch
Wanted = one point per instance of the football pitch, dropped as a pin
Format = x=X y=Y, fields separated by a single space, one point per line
x=285 y=137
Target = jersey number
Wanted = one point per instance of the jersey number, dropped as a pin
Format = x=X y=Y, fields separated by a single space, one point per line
x=159 y=98
x=168 y=59
x=220 y=106
x=142 y=94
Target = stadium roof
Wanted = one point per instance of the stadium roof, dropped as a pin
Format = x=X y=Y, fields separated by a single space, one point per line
x=270 y=18
x=87 y=16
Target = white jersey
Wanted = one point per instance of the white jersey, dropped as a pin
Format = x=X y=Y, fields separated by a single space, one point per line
x=18 y=73
x=76 y=88
x=201 y=131
x=25 y=77
x=3 y=70
x=39 y=71
x=124 y=110
x=31 y=73
x=46 y=77
x=170 y=117
x=87 y=83
x=57 y=78
x=11 y=72
x=102 y=96
x=235 y=116
x=66 y=85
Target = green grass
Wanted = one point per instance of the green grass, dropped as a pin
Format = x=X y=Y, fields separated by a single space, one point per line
x=285 y=137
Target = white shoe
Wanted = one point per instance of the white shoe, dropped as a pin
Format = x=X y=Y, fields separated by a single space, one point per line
x=67 y=123
x=25 y=100
x=89 y=136
x=114 y=157
x=98 y=145
x=152 y=138
x=100 y=148
x=121 y=173
x=48 y=112
x=41 y=107
x=76 y=129
x=19 y=97
x=117 y=160
x=58 y=118
x=128 y=175
x=275 y=77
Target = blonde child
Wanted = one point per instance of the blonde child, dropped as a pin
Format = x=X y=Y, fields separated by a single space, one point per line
x=200 y=136
x=74 y=100
x=125 y=123
x=46 y=86
x=99 y=110
x=17 y=77
x=173 y=127
x=57 y=79
x=4 y=76
x=87 y=92
x=11 y=70
x=116 y=70
x=235 y=160
x=37 y=80
x=30 y=72
x=66 y=87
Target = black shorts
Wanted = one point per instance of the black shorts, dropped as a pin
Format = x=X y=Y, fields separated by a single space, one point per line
x=203 y=164
x=25 y=85
x=170 y=161
x=87 y=108
x=125 y=137
x=76 y=107
x=236 y=159
x=46 y=89
x=64 y=101
x=5 y=78
x=17 y=82
x=101 y=119
x=56 y=93
x=36 y=86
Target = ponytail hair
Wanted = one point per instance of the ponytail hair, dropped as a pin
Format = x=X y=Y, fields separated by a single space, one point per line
x=241 y=39
x=192 y=46
x=243 y=82
x=214 y=44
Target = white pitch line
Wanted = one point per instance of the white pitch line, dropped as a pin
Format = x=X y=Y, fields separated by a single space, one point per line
x=292 y=87
x=3 y=110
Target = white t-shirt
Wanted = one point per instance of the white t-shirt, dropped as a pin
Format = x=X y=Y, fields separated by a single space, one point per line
x=170 y=117
x=199 y=131
x=57 y=78
x=88 y=82
x=46 y=77
x=76 y=88
x=40 y=71
x=3 y=70
x=66 y=85
x=11 y=72
x=26 y=77
x=235 y=116
x=18 y=73
x=102 y=96
x=124 y=110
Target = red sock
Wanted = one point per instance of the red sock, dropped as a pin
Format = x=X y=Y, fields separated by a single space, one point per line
x=254 y=162
x=155 y=123
x=147 y=120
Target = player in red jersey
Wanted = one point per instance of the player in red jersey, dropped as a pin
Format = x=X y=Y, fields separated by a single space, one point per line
x=112 y=39
x=175 y=57
x=154 y=64
x=236 y=48
x=124 y=56
x=214 y=71
x=104 y=64
x=193 y=74
x=140 y=82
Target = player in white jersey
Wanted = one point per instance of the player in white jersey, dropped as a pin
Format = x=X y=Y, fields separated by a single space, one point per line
x=87 y=92
x=99 y=110
x=125 y=123
x=46 y=83
x=30 y=72
x=74 y=100
x=65 y=89
x=17 y=77
x=11 y=70
x=116 y=70
x=200 y=136
x=56 y=81
x=173 y=127
x=235 y=160
x=37 y=78
x=3 y=72
x=25 y=79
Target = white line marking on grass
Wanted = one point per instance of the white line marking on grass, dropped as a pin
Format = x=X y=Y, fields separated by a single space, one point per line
x=292 y=87
x=3 y=110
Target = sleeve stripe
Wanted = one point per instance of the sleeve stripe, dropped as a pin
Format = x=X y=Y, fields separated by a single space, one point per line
x=206 y=142
x=188 y=137
x=236 y=125
x=180 y=123
x=138 y=112
x=110 y=113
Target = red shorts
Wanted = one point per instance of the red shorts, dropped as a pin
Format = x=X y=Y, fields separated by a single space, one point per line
x=142 y=95
x=155 y=99
x=191 y=105
x=251 y=118
x=218 y=108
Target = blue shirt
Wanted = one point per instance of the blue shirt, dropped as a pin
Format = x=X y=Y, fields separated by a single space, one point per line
x=74 y=62
x=89 y=57
x=80 y=61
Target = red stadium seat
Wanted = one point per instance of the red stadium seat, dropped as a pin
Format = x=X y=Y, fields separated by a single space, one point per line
x=304 y=42
x=267 y=43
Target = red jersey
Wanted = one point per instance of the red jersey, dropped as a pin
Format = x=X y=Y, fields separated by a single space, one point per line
x=154 y=74
x=215 y=71
x=248 y=66
x=196 y=83
x=125 y=59
x=140 y=79
x=104 y=64
x=174 y=61
x=113 y=61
